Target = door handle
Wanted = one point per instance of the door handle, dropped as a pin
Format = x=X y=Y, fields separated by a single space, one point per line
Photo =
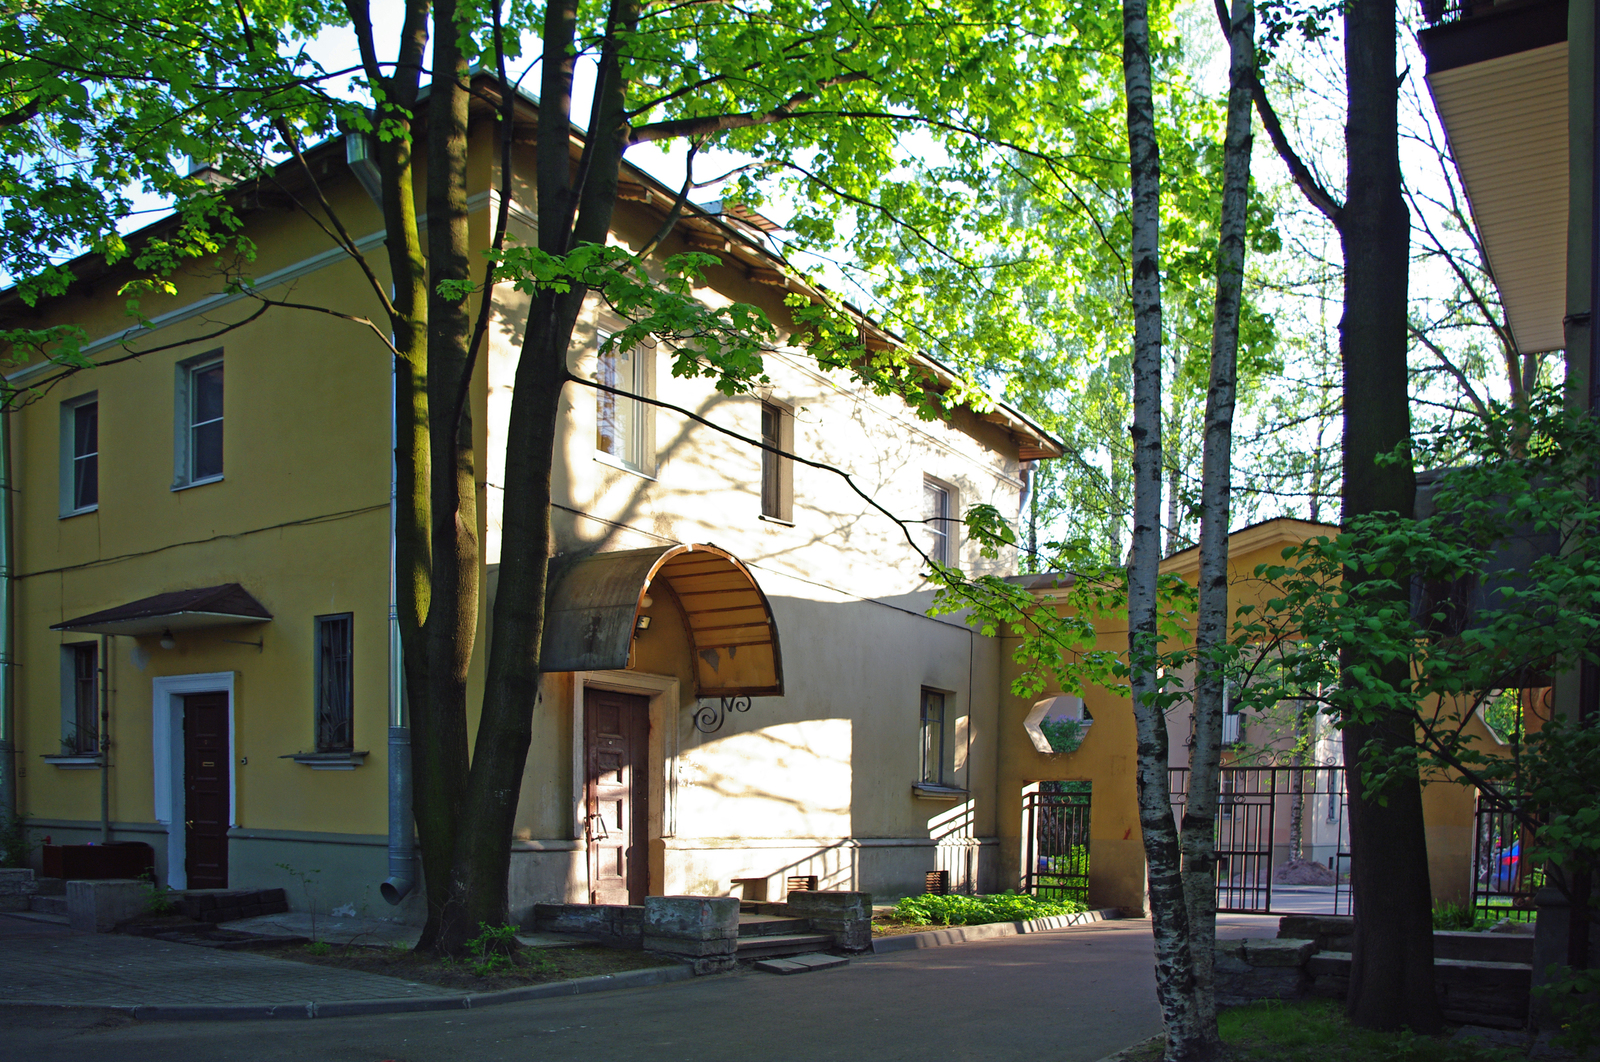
x=188 y=824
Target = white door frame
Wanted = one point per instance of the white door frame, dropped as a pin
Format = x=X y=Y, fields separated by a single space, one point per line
x=166 y=732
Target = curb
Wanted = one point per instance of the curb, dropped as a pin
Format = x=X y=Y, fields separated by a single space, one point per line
x=1127 y=1052
x=967 y=934
x=353 y=1007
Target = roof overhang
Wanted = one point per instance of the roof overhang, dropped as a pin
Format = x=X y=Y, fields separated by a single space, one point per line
x=1499 y=83
x=594 y=604
x=182 y=610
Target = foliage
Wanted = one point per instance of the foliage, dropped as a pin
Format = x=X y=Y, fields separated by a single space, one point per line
x=1452 y=916
x=491 y=949
x=318 y=947
x=958 y=910
x=1064 y=735
x=14 y=844
x=1573 y=997
x=158 y=900
x=1306 y=1031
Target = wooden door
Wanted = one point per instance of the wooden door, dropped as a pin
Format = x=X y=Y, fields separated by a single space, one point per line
x=206 y=783
x=616 y=730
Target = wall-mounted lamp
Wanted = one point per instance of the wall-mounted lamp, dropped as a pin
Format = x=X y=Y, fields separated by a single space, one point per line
x=168 y=641
x=642 y=623
x=646 y=601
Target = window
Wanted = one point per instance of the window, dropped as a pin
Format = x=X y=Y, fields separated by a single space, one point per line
x=777 y=471
x=932 y=737
x=937 y=520
x=622 y=423
x=199 y=421
x=80 y=455
x=1232 y=721
x=335 y=692
x=80 y=688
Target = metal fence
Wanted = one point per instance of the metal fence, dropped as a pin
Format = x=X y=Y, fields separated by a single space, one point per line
x=1503 y=880
x=1057 y=822
x=1258 y=813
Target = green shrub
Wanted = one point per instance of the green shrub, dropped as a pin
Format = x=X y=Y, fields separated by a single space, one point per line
x=1453 y=916
x=492 y=949
x=1064 y=735
x=956 y=910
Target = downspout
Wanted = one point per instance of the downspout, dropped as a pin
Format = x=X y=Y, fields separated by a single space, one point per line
x=8 y=752
x=104 y=740
x=402 y=835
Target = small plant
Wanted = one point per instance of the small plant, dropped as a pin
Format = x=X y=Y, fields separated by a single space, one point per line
x=158 y=900
x=318 y=947
x=1064 y=735
x=491 y=949
x=308 y=885
x=14 y=843
x=1453 y=916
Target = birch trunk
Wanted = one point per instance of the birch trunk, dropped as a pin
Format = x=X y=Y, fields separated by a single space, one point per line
x=1174 y=961
x=1211 y=634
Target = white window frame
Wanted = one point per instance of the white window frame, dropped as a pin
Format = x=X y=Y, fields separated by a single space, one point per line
x=643 y=458
x=183 y=430
x=949 y=541
x=69 y=455
x=941 y=756
x=776 y=467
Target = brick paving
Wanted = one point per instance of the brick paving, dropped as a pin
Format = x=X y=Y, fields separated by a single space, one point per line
x=45 y=963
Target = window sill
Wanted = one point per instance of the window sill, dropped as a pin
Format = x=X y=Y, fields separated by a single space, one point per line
x=622 y=466
x=76 y=762
x=328 y=761
x=85 y=511
x=780 y=521
x=198 y=482
x=934 y=791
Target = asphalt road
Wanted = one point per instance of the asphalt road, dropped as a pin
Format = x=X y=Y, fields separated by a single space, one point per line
x=1070 y=996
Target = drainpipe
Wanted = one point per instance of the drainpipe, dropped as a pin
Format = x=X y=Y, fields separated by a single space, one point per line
x=402 y=835
x=105 y=741
x=8 y=752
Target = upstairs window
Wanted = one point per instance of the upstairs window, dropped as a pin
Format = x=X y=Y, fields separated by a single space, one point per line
x=777 y=471
x=334 y=684
x=80 y=688
x=622 y=423
x=932 y=737
x=937 y=509
x=80 y=456
x=199 y=421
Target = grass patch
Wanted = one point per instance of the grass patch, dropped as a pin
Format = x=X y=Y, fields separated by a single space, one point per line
x=527 y=966
x=1315 y=1030
x=957 y=910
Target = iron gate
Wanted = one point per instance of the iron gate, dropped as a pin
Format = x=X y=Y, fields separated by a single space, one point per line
x=1058 y=841
x=1255 y=836
x=1503 y=881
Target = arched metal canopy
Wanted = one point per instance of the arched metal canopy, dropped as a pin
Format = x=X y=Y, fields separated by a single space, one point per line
x=592 y=611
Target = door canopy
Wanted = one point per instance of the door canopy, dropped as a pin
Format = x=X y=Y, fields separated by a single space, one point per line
x=595 y=603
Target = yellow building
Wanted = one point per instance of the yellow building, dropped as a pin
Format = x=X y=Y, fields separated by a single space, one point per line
x=202 y=609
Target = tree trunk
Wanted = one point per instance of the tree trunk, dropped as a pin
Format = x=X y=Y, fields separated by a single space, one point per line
x=1211 y=632
x=1391 y=974
x=1174 y=962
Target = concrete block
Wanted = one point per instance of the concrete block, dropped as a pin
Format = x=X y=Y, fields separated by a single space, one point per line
x=17 y=887
x=847 y=916
x=99 y=906
x=691 y=917
x=1331 y=932
x=1278 y=951
x=801 y=964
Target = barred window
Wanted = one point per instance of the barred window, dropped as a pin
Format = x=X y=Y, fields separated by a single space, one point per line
x=335 y=688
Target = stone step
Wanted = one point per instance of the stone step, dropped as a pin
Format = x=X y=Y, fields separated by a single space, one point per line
x=40 y=916
x=1484 y=947
x=50 y=905
x=782 y=944
x=801 y=963
x=760 y=925
x=49 y=886
x=1473 y=992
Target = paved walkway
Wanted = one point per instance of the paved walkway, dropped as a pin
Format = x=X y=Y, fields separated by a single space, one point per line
x=1070 y=996
x=41 y=962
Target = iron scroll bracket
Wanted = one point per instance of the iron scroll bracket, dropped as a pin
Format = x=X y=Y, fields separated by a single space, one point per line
x=708 y=718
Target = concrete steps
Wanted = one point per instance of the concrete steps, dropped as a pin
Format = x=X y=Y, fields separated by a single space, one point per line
x=777 y=945
x=761 y=925
x=1471 y=991
x=801 y=963
x=48 y=905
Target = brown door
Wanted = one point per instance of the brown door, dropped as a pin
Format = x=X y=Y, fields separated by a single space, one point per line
x=206 y=773
x=616 y=727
